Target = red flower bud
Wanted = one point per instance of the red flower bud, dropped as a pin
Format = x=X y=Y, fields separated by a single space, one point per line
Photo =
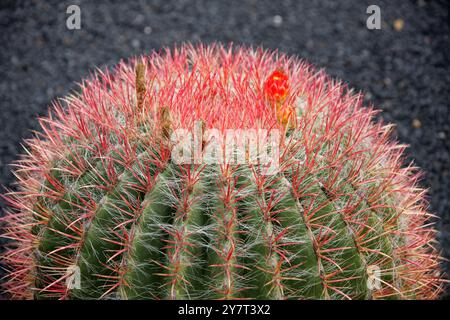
x=276 y=87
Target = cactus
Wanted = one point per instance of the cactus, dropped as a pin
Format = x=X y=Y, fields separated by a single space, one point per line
x=101 y=197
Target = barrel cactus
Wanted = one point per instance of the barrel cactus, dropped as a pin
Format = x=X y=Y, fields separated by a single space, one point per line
x=214 y=172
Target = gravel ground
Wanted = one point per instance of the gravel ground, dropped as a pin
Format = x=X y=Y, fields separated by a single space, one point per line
x=404 y=67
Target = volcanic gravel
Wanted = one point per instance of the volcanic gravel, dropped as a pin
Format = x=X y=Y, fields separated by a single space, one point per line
x=403 y=68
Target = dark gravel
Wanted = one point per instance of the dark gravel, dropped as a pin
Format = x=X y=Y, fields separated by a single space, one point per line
x=404 y=71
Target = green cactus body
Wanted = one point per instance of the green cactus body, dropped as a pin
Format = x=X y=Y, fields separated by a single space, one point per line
x=100 y=192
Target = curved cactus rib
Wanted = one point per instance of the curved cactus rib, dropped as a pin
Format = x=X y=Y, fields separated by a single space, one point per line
x=305 y=280
x=56 y=182
x=341 y=251
x=338 y=245
x=225 y=249
x=364 y=222
x=340 y=159
x=375 y=243
x=58 y=234
x=261 y=235
x=142 y=279
x=105 y=238
x=183 y=266
x=61 y=239
x=279 y=248
x=340 y=264
x=164 y=256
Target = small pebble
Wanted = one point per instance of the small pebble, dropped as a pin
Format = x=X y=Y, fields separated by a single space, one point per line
x=15 y=60
x=416 y=124
x=139 y=19
x=399 y=24
x=277 y=20
x=135 y=43
x=148 y=30
x=442 y=135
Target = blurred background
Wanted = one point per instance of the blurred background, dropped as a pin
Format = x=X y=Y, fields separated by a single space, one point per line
x=403 y=67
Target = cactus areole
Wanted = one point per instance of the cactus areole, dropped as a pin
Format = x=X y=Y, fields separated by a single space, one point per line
x=214 y=172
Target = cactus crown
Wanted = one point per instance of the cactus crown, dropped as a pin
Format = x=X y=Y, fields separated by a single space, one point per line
x=100 y=194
